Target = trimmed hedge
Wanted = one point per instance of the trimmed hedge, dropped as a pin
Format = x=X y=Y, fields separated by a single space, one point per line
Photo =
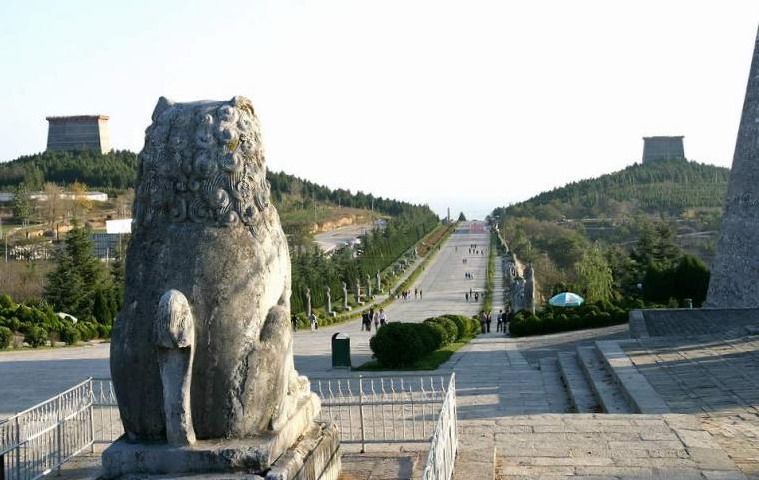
x=400 y=344
x=447 y=328
x=37 y=322
x=563 y=319
x=467 y=326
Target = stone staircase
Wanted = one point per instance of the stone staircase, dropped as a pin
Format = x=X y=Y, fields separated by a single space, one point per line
x=591 y=383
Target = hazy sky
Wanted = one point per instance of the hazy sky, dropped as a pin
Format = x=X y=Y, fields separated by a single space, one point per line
x=468 y=104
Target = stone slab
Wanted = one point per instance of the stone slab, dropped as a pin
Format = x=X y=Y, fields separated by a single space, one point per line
x=636 y=389
x=219 y=455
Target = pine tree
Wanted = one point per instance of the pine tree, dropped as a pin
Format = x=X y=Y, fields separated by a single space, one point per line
x=78 y=277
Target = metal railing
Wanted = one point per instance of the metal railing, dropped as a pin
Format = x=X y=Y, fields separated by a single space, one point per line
x=445 y=440
x=367 y=410
x=40 y=439
x=398 y=409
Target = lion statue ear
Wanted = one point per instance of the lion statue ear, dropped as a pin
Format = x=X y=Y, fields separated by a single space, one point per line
x=163 y=104
x=243 y=103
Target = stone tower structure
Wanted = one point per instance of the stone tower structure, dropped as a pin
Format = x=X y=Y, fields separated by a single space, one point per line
x=663 y=148
x=78 y=132
x=734 y=279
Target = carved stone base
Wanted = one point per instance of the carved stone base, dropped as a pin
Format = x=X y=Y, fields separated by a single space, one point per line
x=332 y=314
x=251 y=455
x=315 y=456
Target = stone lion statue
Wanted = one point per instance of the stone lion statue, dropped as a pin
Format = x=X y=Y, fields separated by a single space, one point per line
x=203 y=346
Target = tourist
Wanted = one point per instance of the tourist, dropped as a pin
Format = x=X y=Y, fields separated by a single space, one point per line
x=314 y=322
x=416 y=292
x=488 y=319
x=482 y=321
x=420 y=294
x=466 y=295
x=375 y=319
x=294 y=321
x=382 y=317
x=499 y=324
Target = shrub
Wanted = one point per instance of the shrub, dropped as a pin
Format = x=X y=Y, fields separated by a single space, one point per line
x=462 y=325
x=400 y=344
x=396 y=344
x=35 y=336
x=104 y=331
x=557 y=319
x=432 y=338
x=70 y=335
x=450 y=330
x=440 y=332
x=6 y=336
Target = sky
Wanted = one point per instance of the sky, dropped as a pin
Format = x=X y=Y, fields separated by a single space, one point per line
x=467 y=104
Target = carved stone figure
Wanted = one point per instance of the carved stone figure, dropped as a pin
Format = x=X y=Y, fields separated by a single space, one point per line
x=345 y=296
x=734 y=281
x=329 y=299
x=368 y=286
x=202 y=351
x=358 y=291
x=308 y=302
x=379 y=282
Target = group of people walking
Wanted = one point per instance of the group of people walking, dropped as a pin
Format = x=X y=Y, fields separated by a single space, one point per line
x=378 y=318
x=502 y=318
x=406 y=294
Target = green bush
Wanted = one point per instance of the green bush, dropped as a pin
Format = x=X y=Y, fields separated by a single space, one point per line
x=462 y=325
x=558 y=319
x=440 y=332
x=447 y=328
x=70 y=335
x=35 y=336
x=432 y=338
x=6 y=336
x=400 y=344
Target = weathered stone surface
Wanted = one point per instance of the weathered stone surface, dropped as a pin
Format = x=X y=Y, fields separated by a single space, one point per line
x=735 y=269
x=204 y=227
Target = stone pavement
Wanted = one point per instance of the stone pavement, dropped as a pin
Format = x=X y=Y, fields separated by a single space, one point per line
x=714 y=379
x=512 y=425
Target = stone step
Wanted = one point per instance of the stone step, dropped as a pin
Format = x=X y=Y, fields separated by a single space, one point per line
x=579 y=391
x=556 y=391
x=606 y=390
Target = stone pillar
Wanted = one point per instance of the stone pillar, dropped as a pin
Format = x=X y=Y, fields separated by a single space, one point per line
x=345 y=297
x=379 y=282
x=529 y=290
x=734 y=281
x=368 y=287
x=358 y=292
x=308 y=302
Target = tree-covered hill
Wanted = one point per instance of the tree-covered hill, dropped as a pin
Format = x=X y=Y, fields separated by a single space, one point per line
x=665 y=187
x=116 y=171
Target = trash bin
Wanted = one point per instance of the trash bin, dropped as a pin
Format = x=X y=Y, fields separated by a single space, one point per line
x=341 y=350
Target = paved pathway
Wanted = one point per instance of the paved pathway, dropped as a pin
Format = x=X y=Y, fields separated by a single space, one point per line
x=442 y=284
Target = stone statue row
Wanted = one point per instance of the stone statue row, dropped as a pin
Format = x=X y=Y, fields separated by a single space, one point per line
x=346 y=307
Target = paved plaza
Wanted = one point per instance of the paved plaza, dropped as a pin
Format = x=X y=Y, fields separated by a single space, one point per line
x=516 y=407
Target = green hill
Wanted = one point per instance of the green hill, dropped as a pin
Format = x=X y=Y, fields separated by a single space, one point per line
x=669 y=187
x=555 y=229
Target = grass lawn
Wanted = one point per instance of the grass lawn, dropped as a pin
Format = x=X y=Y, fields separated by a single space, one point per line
x=430 y=362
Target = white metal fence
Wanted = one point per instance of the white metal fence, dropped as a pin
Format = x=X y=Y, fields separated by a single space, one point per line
x=367 y=410
x=442 y=455
x=398 y=409
x=40 y=439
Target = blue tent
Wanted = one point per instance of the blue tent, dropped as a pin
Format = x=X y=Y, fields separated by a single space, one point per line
x=566 y=299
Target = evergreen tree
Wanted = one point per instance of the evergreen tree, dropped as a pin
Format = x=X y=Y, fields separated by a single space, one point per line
x=462 y=217
x=78 y=277
x=22 y=203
